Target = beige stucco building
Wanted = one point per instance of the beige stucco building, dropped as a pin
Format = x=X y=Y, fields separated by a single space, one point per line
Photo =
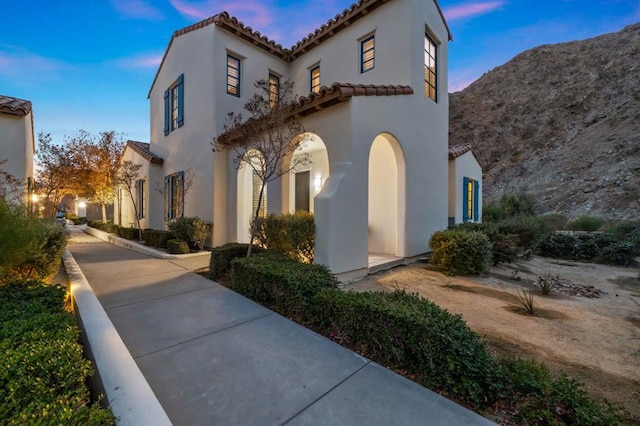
x=17 y=146
x=373 y=98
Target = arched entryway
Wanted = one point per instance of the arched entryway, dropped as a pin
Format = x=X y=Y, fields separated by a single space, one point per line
x=386 y=208
x=248 y=191
x=306 y=181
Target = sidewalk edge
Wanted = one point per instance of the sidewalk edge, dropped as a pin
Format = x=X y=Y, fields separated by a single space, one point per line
x=126 y=390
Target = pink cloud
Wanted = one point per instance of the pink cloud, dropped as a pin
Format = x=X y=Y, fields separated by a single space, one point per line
x=251 y=12
x=14 y=63
x=138 y=9
x=471 y=9
x=141 y=61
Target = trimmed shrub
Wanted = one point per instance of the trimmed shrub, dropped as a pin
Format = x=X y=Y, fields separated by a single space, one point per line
x=460 y=252
x=279 y=282
x=177 y=246
x=519 y=204
x=292 y=234
x=108 y=227
x=156 y=237
x=222 y=256
x=585 y=223
x=127 y=233
x=587 y=247
x=409 y=333
x=193 y=230
x=43 y=375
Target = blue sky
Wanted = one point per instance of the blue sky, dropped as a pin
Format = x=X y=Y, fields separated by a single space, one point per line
x=88 y=64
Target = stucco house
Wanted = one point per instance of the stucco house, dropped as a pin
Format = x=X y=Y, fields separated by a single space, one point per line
x=465 y=185
x=373 y=98
x=17 y=144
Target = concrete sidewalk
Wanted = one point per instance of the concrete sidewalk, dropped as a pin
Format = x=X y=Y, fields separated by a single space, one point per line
x=213 y=357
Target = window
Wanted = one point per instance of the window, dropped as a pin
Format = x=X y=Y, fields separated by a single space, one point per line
x=430 y=68
x=315 y=79
x=470 y=200
x=140 y=194
x=367 y=54
x=174 y=106
x=256 y=196
x=274 y=90
x=174 y=196
x=233 y=76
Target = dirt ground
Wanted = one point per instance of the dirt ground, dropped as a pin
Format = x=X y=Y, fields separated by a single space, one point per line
x=594 y=340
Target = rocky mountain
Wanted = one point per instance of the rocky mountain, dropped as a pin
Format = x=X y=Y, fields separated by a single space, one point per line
x=562 y=122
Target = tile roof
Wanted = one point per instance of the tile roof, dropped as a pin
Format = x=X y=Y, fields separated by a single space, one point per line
x=14 y=106
x=143 y=149
x=456 y=151
x=333 y=26
x=341 y=92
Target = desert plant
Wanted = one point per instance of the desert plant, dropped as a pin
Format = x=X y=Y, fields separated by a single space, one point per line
x=193 y=230
x=520 y=204
x=446 y=281
x=459 y=252
x=492 y=213
x=554 y=221
x=525 y=300
x=177 y=246
x=547 y=283
x=585 y=223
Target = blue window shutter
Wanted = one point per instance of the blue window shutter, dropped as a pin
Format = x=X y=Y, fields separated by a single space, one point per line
x=167 y=197
x=180 y=84
x=167 y=112
x=465 y=199
x=476 y=187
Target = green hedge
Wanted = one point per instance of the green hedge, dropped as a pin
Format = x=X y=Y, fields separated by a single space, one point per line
x=128 y=233
x=108 y=227
x=43 y=375
x=587 y=247
x=193 y=230
x=407 y=332
x=177 y=246
x=157 y=238
x=585 y=223
x=293 y=234
x=279 y=282
x=460 y=252
x=222 y=256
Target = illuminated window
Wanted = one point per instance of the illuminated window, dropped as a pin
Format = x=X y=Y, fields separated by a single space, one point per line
x=140 y=195
x=233 y=76
x=430 y=68
x=367 y=54
x=470 y=200
x=274 y=90
x=315 y=79
x=174 y=106
x=257 y=183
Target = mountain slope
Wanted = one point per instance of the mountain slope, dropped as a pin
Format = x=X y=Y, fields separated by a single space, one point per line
x=562 y=122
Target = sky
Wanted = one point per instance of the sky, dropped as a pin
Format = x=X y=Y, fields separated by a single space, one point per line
x=89 y=64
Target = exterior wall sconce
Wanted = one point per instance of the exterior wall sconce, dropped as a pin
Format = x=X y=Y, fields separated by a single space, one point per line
x=317 y=182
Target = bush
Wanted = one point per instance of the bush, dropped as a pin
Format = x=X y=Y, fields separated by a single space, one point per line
x=157 y=238
x=626 y=232
x=108 y=227
x=128 y=233
x=545 y=400
x=618 y=253
x=222 y=256
x=587 y=247
x=492 y=213
x=529 y=230
x=193 y=230
x=460 y=252
x=43 y=375
x=279 y=282
x=553 y=222
x=177 y=246
x=292 y=234
x=585 y=223
x=410 y=333
x=519 y=204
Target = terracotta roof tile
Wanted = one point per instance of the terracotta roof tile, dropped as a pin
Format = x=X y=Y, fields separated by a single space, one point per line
x=14 y=106
x=456 y=151
x=333 y=26
x=341 y=92
x=144 y=150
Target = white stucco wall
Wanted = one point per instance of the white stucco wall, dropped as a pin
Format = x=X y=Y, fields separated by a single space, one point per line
x=383 y=197
x=16 y=142
x=464 y=166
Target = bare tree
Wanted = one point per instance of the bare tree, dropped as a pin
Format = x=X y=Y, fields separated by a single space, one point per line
x=56 y=171
x=267 y=141
x=126 y=178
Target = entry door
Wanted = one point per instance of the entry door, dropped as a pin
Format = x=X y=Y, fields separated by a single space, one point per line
x=302 y=191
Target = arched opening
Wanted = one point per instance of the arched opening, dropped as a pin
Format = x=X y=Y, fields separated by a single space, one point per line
x=386 y=198
x=304 y=183
x=248 y=192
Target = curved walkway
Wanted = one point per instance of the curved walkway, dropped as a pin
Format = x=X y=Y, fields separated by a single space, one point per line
x=212 y=356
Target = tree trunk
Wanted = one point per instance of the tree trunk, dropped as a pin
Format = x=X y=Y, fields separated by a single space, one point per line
x=254 y=225
x=135 y=212
x=104 y=212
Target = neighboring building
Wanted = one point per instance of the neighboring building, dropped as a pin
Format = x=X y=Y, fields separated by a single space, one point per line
x=17 y=144
x=465 y=185
x=374 y=100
